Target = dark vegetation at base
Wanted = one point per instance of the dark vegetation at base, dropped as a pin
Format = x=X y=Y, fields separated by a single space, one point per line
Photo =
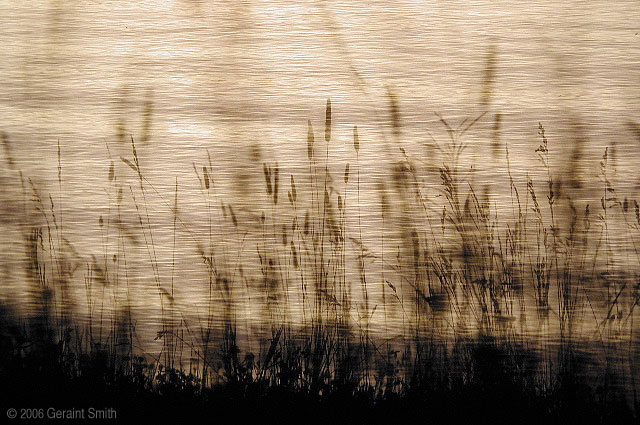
x=493 y=384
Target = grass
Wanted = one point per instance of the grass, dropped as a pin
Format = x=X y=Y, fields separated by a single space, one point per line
x=462 y=311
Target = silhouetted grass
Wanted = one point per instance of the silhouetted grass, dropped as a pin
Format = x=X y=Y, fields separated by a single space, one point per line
x=463 y=311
